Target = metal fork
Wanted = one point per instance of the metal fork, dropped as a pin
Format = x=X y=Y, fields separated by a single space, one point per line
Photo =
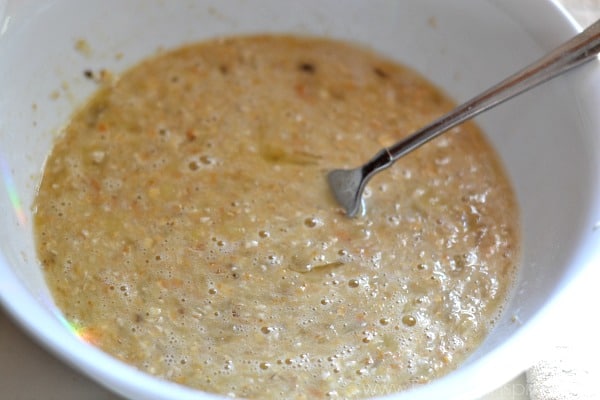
x=348 y=184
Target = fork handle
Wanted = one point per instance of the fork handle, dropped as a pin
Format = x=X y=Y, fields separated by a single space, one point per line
x=578 y=50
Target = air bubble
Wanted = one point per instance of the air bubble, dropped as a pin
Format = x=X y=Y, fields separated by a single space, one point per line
x=98 y=156
x=267 y=329
x=264 y=365
x=353 y=283
x=369 y=336
x=367 y=193
x=274 y=259
x=394 y=220
x=312 y=222
x=409 y=320
x=206 y=160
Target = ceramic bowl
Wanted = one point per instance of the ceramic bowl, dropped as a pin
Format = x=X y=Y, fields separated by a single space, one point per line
x=548 y=139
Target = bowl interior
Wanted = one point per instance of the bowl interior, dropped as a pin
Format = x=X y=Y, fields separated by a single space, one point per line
x=547 y=138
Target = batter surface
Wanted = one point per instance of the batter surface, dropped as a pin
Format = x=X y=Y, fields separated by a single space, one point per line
x=184 y=221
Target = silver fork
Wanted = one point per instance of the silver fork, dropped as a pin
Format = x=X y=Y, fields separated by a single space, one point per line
x=348 y=184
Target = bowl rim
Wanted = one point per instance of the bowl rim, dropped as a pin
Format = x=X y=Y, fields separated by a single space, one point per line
x=30 y=313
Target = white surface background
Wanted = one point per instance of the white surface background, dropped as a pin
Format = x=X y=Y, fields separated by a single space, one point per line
x=28 y=372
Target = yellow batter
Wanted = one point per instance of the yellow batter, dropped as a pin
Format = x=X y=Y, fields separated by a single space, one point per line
x=184 y=219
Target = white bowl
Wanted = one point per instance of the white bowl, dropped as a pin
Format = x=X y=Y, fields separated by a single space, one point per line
x=548 y=139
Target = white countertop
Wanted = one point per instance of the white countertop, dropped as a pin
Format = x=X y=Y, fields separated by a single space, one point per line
x=29 y=372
